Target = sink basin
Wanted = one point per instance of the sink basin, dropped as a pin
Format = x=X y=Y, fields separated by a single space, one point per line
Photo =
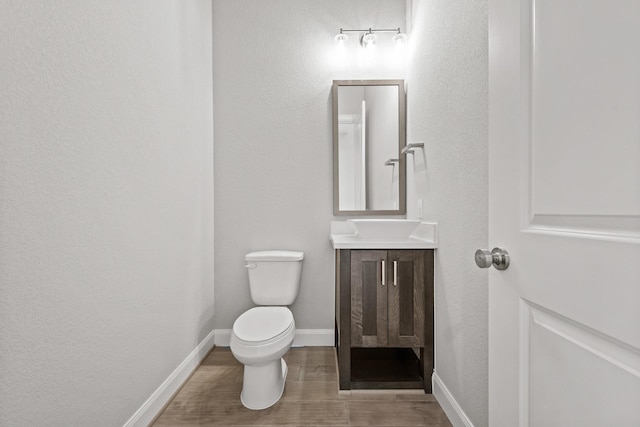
x=383 y=234
x=384 y=229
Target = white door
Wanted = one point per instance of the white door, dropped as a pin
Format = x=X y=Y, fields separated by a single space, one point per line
x=564 y=201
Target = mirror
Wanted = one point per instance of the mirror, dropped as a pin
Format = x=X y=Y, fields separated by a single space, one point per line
x=369 y=131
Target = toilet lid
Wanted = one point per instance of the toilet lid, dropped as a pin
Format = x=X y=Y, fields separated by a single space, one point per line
x=262 y=323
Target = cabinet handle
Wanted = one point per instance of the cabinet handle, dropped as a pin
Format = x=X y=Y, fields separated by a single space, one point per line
x=395 y=273
x=384 y=272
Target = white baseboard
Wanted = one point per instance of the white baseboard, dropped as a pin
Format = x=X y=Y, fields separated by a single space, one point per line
x=304 y=338
x=449 y=405
x=314 y=338
x=163 y=394
x=223 y=336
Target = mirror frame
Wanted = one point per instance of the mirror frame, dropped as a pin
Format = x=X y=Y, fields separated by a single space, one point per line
x=402 y=140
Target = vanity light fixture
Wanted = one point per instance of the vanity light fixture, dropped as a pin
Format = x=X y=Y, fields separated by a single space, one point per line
x=369 y=37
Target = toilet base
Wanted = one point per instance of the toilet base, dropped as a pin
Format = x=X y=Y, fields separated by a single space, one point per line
x=263 y=385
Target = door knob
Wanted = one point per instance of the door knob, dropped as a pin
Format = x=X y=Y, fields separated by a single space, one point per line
x=499 y=258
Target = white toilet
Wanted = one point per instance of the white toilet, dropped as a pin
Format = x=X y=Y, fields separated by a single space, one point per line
x=262 y=335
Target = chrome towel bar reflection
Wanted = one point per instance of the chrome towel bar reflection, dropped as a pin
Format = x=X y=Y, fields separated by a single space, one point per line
x=410 y=148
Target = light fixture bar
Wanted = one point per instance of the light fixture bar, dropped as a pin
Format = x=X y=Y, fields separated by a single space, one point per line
x=372 y=30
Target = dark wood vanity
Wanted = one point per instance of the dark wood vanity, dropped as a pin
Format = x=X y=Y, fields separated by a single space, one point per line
x=384 y=318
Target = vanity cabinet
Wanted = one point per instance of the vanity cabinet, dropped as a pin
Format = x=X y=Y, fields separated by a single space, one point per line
x=384 y=318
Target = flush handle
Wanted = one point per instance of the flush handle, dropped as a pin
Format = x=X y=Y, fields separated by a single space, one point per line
x=250 y=265
x=499 y=258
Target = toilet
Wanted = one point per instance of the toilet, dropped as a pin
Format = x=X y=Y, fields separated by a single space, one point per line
x=263 y=334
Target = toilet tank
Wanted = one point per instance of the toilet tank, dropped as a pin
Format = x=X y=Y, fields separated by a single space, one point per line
x=274 y=276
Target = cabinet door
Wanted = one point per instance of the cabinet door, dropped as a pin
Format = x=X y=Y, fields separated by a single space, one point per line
x=369 y=298
x=406 y=298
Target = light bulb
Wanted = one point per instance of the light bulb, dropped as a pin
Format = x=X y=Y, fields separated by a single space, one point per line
x=341 y=39
x=369 y=39
x=400 y=40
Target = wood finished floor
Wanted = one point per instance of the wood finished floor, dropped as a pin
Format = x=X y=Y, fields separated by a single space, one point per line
x=211 y=397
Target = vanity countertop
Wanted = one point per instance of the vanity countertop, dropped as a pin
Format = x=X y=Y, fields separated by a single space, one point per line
x=342 y=241
x=344 y=235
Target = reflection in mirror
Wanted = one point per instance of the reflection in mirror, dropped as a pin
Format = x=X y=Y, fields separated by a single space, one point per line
x=368 y=133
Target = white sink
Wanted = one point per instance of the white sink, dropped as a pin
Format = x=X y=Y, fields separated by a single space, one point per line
x=384 y=229
x=383 y=234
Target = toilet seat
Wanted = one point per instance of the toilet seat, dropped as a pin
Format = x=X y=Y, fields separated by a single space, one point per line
x=262 y=334
x=263 y=325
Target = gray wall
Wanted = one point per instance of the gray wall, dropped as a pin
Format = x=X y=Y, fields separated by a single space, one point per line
x=273 y=72
x=106 y=189
x=447 y=109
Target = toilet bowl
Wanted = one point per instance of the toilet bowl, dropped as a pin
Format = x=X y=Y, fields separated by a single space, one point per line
x=259 y=339
x=263 y=334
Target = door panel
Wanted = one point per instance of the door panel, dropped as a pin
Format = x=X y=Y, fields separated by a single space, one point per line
x=368 y=299
x=406 y=299
x=569 y=358
x=584 y=152
x=564 y=200
x=576 y=124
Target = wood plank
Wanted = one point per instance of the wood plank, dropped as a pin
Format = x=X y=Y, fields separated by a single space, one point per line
x=369 y=301
x=344 y=346
x=395 y=413
x=420 y=284
x=406 y=286
x=357 y=259
x=336 y=269
x=393 y=303
x=382 y=297
x=313 y=390
x=386 y=385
